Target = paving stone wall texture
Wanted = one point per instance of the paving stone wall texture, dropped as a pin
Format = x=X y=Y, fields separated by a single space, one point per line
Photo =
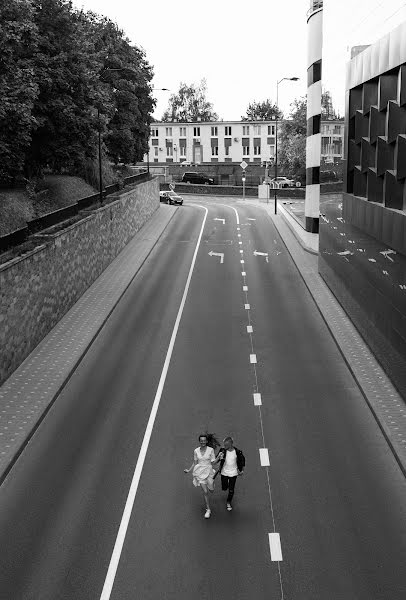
x=37 y=289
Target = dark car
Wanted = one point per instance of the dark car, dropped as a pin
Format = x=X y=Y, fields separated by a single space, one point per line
x=194 y=177
x=170 y=197
x=326 y=176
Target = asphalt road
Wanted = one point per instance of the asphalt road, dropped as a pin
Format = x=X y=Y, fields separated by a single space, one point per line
x=333 y=490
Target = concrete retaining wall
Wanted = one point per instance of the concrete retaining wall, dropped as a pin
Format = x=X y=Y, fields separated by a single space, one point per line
x=36 y=290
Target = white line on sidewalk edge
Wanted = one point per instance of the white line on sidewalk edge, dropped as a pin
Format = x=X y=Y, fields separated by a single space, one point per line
x=275 y=547
x=257 y=399
x=125 y=519
x=264 y=457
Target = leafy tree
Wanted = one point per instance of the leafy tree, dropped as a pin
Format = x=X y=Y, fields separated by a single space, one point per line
x=127 y=75
x=292 y=140
x=190 y=104
x=265 y=110
x=66 y=67
x=327 y=109
x=18 y=89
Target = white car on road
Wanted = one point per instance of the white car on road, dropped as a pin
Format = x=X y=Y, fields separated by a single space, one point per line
x=284 y=182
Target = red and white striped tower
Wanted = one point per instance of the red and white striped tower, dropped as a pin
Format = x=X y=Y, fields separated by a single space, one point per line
x=313 y=141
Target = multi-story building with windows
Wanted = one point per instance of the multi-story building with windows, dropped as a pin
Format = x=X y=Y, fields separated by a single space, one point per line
x=332 y=141
x=220 y=141
x=230 y=141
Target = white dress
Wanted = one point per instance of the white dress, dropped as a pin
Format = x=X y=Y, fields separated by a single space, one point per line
x=203 y=470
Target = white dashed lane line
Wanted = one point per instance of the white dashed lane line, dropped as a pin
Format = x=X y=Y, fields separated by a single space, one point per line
x=275 y=547
x=264 y=457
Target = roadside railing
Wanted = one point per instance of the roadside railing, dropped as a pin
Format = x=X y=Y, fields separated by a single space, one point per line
x=20 y=236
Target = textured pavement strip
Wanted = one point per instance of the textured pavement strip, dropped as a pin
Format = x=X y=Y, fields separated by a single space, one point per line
x=386 y=403
x=27 y=393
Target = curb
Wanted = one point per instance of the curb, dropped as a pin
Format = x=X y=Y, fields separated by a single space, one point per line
x=26 y=441
x=381 y=424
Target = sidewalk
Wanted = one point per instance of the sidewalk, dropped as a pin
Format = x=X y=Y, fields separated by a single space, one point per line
x=383 y=399
x=29 y=392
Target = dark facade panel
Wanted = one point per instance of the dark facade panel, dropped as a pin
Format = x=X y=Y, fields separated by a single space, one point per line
x=384 y=156
x=368 y=155
x=314 y=73
x=312 y=175
x=400 y=157
x=369 y=95
x=313 y=125
x=377 y=122
x=387 y=89
x=361 y=126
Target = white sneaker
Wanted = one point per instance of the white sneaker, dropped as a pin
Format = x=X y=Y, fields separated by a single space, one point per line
x=207 y=514
x=229 y=507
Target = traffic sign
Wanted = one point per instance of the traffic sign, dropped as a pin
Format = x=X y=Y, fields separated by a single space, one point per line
x=243 y=165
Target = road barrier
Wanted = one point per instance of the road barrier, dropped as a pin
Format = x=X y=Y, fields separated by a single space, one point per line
x=15 y=238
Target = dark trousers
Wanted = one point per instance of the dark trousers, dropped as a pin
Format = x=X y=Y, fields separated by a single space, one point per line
x=228 y=483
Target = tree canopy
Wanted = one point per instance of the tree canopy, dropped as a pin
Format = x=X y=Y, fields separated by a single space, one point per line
x=190 y=104
x=265 y=110
x=65 y=74
x=292 y=140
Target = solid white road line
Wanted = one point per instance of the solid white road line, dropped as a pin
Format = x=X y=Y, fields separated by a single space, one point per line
x=275 y=547
x=257 y=399
x=125 y=519
x=245 y=288
x=253 y=359
x=246 y=306
x=249 y=329
x=264 y=457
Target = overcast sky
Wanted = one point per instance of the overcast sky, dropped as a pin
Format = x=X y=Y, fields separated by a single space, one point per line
x=243 y=48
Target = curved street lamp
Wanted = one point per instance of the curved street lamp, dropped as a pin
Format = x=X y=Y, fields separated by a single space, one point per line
x=276 y=134
x=162 y=90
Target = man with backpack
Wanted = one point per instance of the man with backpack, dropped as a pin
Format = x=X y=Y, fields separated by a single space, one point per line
x=232 y=463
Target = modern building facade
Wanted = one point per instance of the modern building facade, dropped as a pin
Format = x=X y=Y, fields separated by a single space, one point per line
x=220 y=141
x=363 y=234
x=230 y=141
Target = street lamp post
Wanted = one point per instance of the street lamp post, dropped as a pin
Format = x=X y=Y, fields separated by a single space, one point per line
x=162 y=90
x=276 y=135
x=99 y=127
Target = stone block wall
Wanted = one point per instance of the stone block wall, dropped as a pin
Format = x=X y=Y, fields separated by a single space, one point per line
x=37 y=289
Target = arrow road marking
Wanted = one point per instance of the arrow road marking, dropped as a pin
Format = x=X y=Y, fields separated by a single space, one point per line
x=256 y=253
x=220 y=254
x=217 y=219
x=345 y=253
x=386 y=252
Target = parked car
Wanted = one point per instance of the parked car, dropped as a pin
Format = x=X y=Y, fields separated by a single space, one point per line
x=187 y=163
x=194 y=177
x=328 y=176
x=284 y=182
x=170 y=197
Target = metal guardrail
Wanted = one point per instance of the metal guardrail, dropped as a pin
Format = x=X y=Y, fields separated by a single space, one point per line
x=19 y=236
x=52 y=218
x=58 y=216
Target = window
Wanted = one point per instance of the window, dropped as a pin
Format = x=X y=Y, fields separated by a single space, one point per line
x=154 y=132
x=227 y=144
x=214 y=131
x=168 y=131
x=214 y=150
x=245 y=129
x=196 y=131
x=257 y=150
x=227 y=130
x=245 y=150
x=182 y=150
x=155 y=151
x=324 y=129
x=337 y=129
x=169 y=151
x=271 y=129
x=257 y=129
x=182 y=131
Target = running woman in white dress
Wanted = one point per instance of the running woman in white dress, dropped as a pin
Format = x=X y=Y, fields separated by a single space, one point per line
x=203 y=472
